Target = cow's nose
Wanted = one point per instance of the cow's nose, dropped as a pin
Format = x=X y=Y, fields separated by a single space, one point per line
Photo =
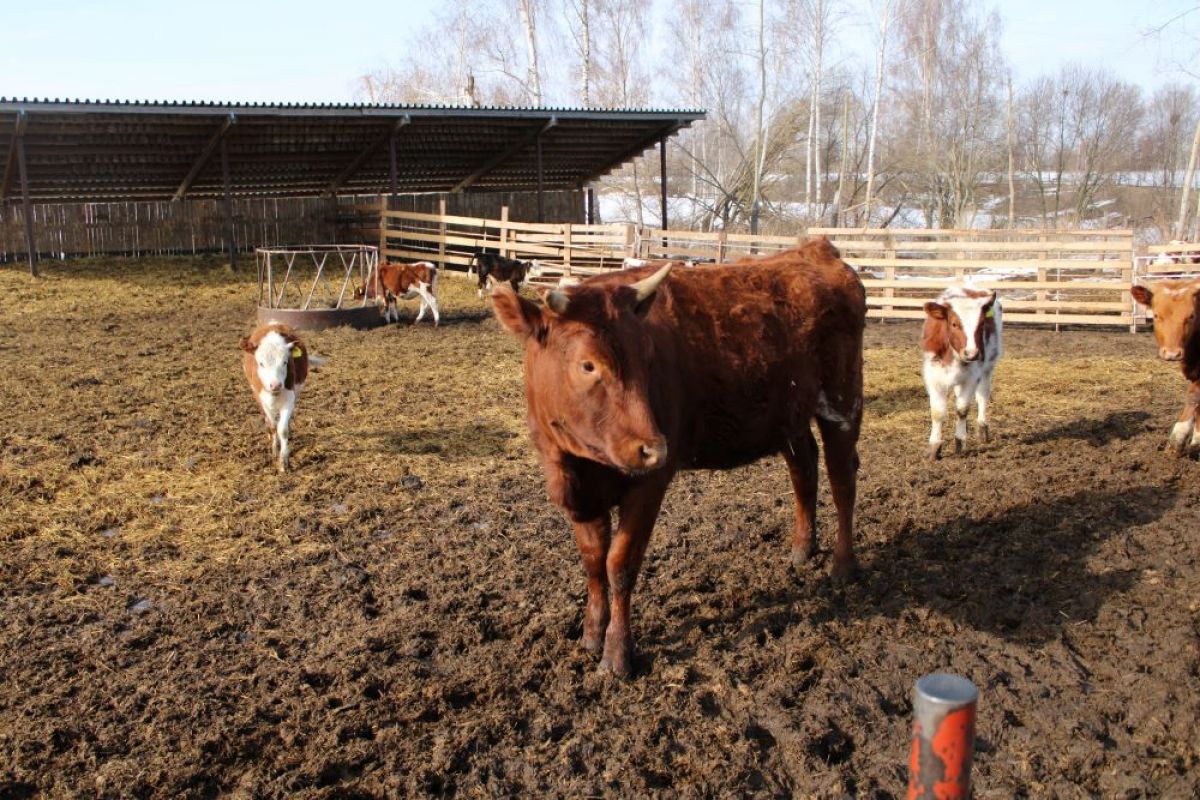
x=274 y=388
x=653 y=454
x=970 y=355
x=1170 y=353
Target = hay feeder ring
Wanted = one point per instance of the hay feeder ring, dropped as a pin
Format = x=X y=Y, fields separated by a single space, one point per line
x=313 y=286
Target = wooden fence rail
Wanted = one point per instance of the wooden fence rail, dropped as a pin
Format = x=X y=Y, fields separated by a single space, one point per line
x=1078 y=277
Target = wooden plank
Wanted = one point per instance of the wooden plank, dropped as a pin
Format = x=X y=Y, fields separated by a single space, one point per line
x=951 y=264
x=964 y=233
x=1009 y=304
x=880 y=283
x=1061 y=319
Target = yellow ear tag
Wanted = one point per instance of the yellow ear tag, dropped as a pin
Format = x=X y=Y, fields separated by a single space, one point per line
x=297 y=352
x=991 y=312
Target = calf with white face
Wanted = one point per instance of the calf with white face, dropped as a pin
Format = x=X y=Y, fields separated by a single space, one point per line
x=961 y=343
x=275 y=362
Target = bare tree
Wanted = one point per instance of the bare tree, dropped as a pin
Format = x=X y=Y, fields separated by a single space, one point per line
x=533 y=77
x=578 y=21
x=876 y=101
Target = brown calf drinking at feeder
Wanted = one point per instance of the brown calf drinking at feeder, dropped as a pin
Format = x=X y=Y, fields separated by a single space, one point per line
x=634 y=375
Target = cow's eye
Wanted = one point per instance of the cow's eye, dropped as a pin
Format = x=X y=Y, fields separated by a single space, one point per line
x=588 y=367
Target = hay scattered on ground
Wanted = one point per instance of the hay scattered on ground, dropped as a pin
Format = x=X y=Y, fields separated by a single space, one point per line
x=398 y=615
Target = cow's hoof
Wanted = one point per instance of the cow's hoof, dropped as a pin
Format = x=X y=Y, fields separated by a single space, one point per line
x=619 y=665
x=984 y=434
x=844 y=572
x=802 y=557
x=933 y=452
x=594 y=645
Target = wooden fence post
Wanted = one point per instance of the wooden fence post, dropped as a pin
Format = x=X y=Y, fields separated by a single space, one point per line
x=721 y=246
x=383 y=228
x=567 y=247
x=442 y=232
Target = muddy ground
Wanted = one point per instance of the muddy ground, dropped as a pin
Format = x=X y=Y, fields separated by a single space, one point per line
x=399 y=616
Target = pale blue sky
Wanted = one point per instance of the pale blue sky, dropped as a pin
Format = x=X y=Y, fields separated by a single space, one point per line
x=304 y=50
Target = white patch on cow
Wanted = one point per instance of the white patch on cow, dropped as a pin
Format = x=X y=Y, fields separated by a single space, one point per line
x=825 y=412
x=630 y=263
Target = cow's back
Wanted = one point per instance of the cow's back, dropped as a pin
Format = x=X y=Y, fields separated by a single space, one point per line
x=746 y=353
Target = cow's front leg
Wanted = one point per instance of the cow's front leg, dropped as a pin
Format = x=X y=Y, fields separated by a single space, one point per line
x=593 y=538
x=638 y=511
x=962 y=404
x=983 y=395
x=937 y=413
x=284 y=431
x=1186 y=426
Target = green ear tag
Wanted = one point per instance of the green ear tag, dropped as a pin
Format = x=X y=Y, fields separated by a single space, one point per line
x=991 y=312
x=297 y=352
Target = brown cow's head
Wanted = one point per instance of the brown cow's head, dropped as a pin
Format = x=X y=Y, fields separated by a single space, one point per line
x=588 y=359
x=965 y=316
x=1173 y=306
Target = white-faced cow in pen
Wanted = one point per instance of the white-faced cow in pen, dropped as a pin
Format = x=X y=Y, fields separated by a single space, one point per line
x=961 y=343
x=276 y=365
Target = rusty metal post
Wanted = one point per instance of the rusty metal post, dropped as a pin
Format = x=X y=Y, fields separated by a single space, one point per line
x=943 y=738
x=27 y=204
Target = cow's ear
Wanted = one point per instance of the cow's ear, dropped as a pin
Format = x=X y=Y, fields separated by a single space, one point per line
x=1142 y=294
x=247 y=345
x=516 y=314
x=935 y=310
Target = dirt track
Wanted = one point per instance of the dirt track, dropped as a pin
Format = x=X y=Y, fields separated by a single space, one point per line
x=400 y=615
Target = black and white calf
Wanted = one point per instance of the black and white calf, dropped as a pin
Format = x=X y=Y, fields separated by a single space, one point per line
x=961 y=345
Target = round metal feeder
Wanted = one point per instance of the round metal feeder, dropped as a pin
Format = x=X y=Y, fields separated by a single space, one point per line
x=314 y=286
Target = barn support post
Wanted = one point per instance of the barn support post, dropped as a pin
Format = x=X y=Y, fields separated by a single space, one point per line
x=591 y=206
x=23 y=174
x=393 y=184
x=541 y=202
x=662 y=177
x=229 y=228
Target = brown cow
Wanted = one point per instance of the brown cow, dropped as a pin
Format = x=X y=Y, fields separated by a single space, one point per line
x=636 y=374
x=405 y=282
x=1176 y=306
x=276 y=365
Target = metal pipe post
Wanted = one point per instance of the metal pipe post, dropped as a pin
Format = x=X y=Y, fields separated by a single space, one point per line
x=943 y=738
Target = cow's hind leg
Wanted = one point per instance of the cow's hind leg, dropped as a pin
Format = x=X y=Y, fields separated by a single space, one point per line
x=593 y=538
x=841 y=462
x=638 y=511
x=800 y=454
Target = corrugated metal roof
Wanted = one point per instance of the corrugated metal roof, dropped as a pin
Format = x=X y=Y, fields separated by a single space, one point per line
x=127 y=149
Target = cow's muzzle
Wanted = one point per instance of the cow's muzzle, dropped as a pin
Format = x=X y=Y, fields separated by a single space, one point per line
x=1170 y=353
x=644 y=456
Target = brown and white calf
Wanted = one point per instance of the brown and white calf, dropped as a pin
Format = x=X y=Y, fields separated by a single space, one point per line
x=961 y=343
x=1176 y=309
x=406 y=282
x=276 y=365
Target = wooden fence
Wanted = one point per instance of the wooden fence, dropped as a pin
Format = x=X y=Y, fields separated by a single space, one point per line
x=1077 y=277
x=190 y=226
